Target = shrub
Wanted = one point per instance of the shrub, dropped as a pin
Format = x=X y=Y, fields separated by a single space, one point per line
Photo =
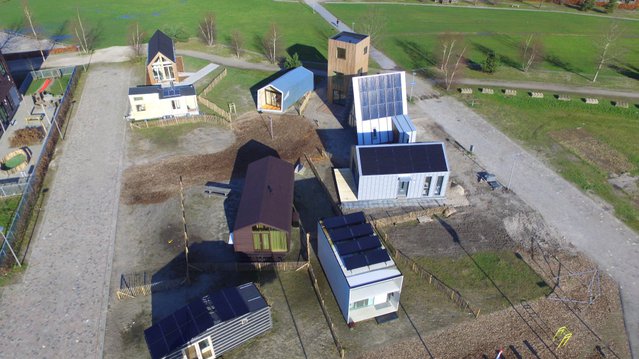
x=27 y=136
x=491 y=63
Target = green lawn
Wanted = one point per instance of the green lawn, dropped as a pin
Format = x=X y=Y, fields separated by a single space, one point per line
x=411 y=39
x=168 y=137
x=8 y=207
x=556 y=129
x=111 y=19
x=236 y=87
x=472 y=278
x=57 y=87
x=15 y=161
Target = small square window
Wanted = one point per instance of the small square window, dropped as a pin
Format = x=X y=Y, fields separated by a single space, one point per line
x=341 y=53
x=138 y=98
x=140 y=108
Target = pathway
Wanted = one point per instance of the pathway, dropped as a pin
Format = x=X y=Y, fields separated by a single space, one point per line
x=229 y=61
x=58 y=308
x=195 y=77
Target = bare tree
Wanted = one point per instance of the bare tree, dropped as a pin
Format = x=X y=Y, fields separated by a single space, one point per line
x=607 y=47
x=372 y=23
x=447 y=43
x=136 y=37
x=81 y=34
x=208 y=29
x=452 y=60
x=29 y=16
x=531 y=51
x=237 y=43
x=272 y=42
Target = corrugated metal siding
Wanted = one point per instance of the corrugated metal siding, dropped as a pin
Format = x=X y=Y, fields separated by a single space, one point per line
x=293 y=85
x=385 y=186
x=384 y=127
x=333 y=272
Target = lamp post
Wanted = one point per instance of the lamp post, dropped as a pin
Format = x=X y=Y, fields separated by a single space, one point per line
x=512 y=169
x=353 y=27
x=270 y=119
x=412 y=85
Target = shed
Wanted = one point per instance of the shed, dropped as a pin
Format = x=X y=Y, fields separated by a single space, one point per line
x=279 y=95
x=363 y=277
x=212 y=325
x=392 y=171
x=380 y=109
x=163 y=67
x=263 y=224
x=152 y=102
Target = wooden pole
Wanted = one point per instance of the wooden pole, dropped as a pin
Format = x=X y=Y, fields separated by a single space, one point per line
x=186 y=235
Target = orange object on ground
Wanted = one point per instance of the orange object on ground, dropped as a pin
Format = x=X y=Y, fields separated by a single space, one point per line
x=44 y=86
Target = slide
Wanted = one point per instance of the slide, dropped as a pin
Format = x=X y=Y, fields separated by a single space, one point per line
x=44 y=86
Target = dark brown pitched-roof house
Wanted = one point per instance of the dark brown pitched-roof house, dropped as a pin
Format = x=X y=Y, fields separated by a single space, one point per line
x=9 y=97
x=163 y=67
x=263 y=224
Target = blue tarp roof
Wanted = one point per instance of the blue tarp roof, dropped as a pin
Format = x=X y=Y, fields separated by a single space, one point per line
x=293 y=85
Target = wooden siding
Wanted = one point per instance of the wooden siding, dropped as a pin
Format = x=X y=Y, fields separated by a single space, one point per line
x=243 y=243
x=355 y=59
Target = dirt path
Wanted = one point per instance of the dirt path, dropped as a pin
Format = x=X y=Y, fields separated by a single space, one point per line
x=58 y=309
x=585 y=222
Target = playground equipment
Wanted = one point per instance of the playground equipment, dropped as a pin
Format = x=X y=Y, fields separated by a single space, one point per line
x=16 y=161
x=564 y=335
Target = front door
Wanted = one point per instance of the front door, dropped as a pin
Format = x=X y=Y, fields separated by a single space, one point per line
x=402 y=188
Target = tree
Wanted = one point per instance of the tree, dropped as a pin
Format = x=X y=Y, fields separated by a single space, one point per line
x=491 y=64
x=136 y=37
x=587 y=5
x=84 y=40
x=292 y=62
x=452 y=60
x=271 y=43
x=29 y=16
x=447 y=43
x=372 y=23
x=208 y=29
x=611 y=6
x=531 y=51
x=607 y=47
x=237 y=43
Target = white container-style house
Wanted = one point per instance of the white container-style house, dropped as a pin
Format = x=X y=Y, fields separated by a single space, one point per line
x=279 y=95
x=153 y=102
x=400 y=171
x=363 y=277
x=380 y=109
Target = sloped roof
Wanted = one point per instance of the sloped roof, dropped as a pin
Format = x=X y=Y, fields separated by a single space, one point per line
x=267 y=197
x=423 y=157
x=161 y=43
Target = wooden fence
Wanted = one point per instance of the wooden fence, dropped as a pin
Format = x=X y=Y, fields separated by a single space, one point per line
x=215 y=108
x=451 y=293
x=406 y=217
x=336 y=209
x=178 y=121
x=214 y=82
x=331 y=327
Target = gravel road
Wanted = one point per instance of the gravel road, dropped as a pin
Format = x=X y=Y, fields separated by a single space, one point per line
x=587 y=223
x=58 y=309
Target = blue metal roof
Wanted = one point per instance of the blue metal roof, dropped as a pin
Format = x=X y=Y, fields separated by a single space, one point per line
x=293 y=85
x=404 y=123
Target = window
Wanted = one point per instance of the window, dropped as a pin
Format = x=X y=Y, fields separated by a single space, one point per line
x=278 y=241
x=3 y=71
x=175 y=104
x=360 y=71
x=140 y=108
x=200 y=350
x=426 y=189
x=365 y=50
x=137 y=98
x=438 y=187
x=341 y=53
x=361 y=304
x=374 y=134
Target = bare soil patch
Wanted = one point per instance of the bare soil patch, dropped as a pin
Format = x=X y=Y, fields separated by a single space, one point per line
x=155 y=182
x=27 y=136
x=592 y=150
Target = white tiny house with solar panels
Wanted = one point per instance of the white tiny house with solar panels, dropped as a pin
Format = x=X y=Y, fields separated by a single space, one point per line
x=380 y=109
x=363 y=277
x=155 y=101
x=400 y=171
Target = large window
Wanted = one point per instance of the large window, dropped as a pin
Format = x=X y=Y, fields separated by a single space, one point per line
x=361 y=304
x=341 y=53
x=426 y=189
x=438 y=187
x=270 y=240
x=175 y=104
x=200 y=350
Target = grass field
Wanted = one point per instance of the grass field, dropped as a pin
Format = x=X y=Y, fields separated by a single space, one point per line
x=411 y=39
x=8 y=207
x=169 y=137
x=236 y=87
x=473 y=276
x=585 y=143
x=111 y=19
x=57 y=87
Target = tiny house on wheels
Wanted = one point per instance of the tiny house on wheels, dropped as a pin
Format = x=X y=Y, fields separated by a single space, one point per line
x=211 y=326
x=264 y=219
x=279 y=95
x=152 y=102
x=363 y=277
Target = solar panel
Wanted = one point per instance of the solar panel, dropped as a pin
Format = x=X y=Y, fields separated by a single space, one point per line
x=377 y=256
x=402 y=158
x=341 y=221
x=370 y=242
x=347 y=247
x=361 y=230
x=381 y=96
x=340 y=234
x=354 y=261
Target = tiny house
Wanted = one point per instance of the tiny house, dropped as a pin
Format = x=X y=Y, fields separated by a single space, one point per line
x=380 y=109
x=264 y=219
x=162 y=66
x=152 y=102
x=348 y=54
x=279 y=95
x=211 y=326
x=364 y=279
x=400 y=171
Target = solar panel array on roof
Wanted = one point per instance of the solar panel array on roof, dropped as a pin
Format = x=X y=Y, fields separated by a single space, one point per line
x=404 y=158
x=176 y=330
x=381 y=96
x=355 y=240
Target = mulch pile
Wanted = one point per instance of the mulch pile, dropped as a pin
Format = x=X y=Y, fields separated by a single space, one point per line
x=27 y=136
x=156 y=182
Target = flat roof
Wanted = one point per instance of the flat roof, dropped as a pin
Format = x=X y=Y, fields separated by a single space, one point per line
x=418 y=157
x=163 y=92
x=359 y=252
x=350 y=37
x=178 y=329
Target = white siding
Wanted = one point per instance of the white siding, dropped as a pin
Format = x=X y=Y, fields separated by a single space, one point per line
x=374 y=187
x=365 y=129
x=333 y=272
x=154 y=107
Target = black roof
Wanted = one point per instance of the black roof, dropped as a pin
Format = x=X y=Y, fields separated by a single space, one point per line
x=350 y=37
x=175 y=331
x=402 y=158
x=355 y=240
x=161 y=43
x=164 y=92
